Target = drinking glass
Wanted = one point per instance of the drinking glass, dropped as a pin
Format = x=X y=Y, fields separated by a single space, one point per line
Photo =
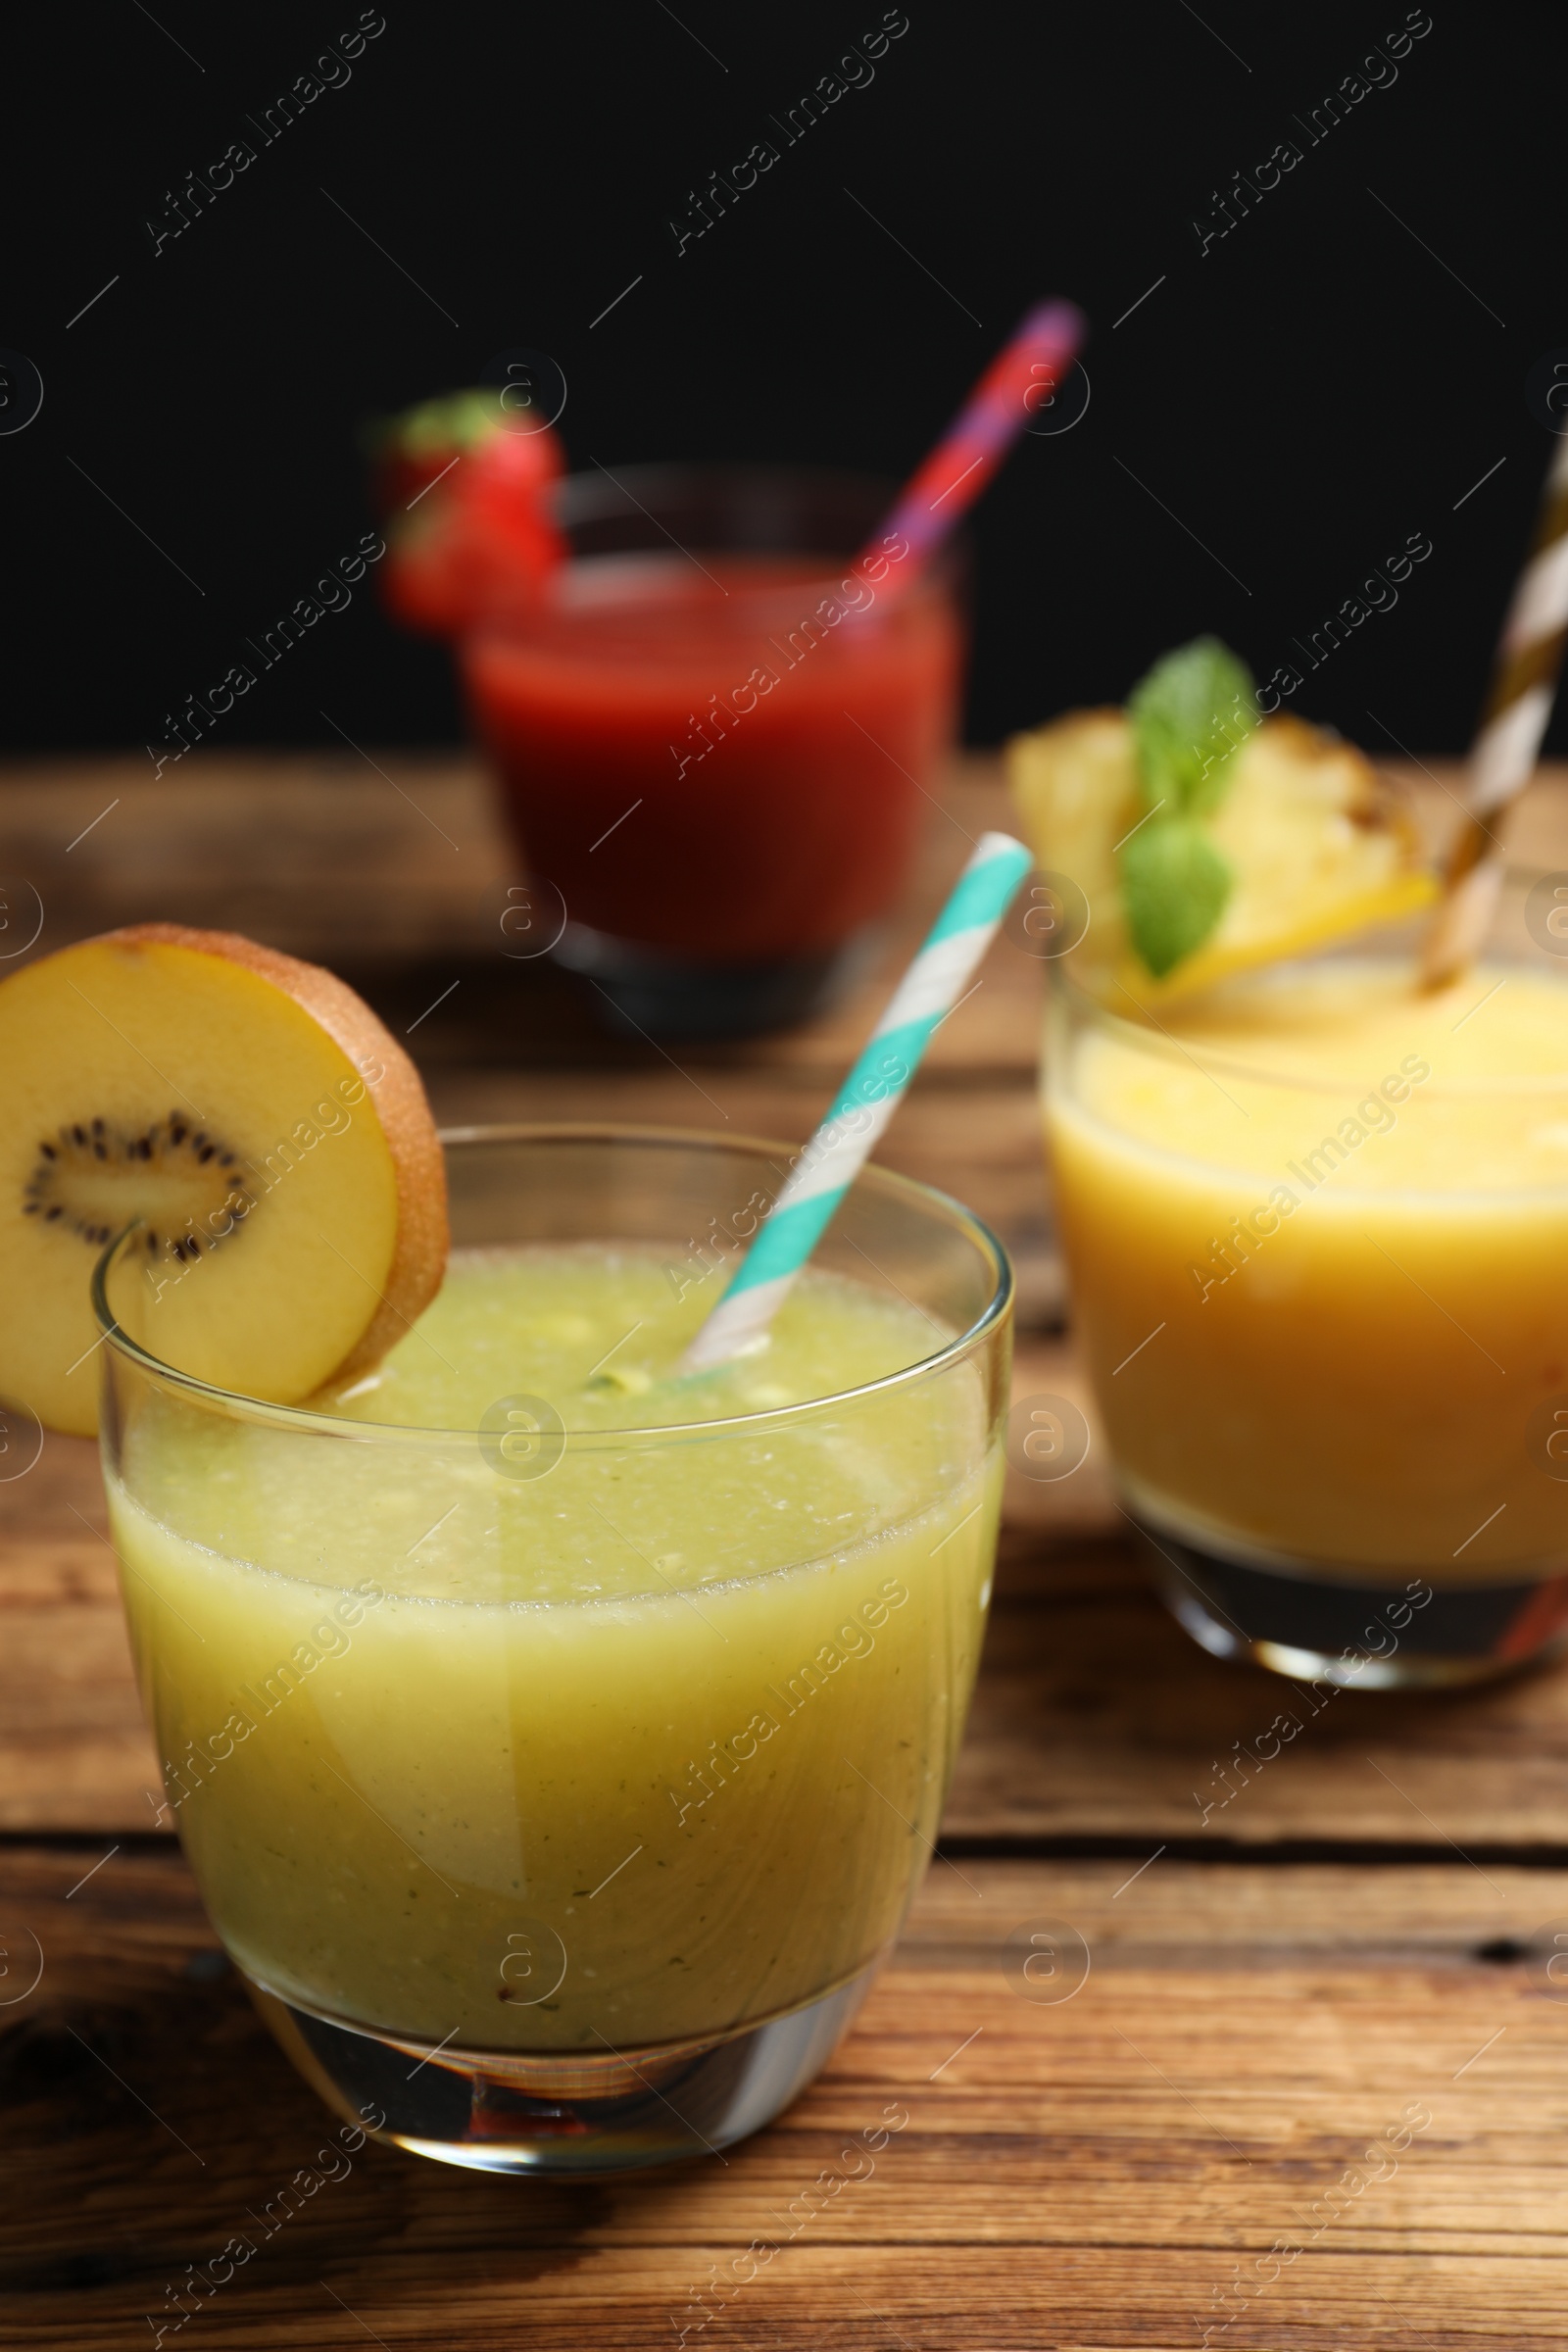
x=534 y=1850
x=1331 y=1352
x=714 y=740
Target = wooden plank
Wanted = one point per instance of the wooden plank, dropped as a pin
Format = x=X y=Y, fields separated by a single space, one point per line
x=347 y=859
x=332 y=850
x=392 y=866
x=1094 y=1716
x=321 y=856
x=1096 y=2171
x=1097 y=1719
x=315 y=851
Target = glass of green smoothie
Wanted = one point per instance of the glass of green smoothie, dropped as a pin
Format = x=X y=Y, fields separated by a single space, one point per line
x=557 y=1742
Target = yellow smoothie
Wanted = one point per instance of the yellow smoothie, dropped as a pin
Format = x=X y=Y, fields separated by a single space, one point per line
x=674 y=1721
x=1316 y=1226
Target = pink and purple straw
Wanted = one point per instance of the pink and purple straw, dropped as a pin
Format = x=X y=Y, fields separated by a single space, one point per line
x=1016 y=386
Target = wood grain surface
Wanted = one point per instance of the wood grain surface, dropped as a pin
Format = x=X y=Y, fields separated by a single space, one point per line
x=1095 y=1717
x=1106 y=2170
x=1362 y=1931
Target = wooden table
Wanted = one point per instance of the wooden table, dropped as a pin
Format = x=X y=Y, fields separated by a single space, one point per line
x=1353 y=1952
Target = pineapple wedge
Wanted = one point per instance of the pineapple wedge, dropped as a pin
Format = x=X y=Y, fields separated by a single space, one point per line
x=1318 y=844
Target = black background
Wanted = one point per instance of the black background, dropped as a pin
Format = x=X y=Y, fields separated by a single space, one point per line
x=1303 y=397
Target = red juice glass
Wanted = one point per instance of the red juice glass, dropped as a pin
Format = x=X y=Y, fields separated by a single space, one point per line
x=714 y=738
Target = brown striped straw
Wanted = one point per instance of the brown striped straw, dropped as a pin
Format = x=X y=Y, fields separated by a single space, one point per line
x=1502 y=757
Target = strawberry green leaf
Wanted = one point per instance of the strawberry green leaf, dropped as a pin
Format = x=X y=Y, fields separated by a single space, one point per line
x=453 y=422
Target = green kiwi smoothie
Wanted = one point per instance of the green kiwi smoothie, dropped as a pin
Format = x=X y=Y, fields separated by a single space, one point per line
x=625 y=1723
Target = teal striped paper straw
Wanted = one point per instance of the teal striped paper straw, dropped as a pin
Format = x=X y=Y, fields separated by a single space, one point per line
x=866 y=1101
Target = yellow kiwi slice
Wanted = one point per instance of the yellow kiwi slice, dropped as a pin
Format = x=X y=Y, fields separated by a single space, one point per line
x=271 y=1136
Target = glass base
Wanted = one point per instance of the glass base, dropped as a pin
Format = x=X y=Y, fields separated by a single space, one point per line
x=643 y=991
x=576 y=2114
x=1368 y=1636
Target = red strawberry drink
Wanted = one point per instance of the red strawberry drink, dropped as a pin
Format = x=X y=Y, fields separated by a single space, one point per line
x=712 y=722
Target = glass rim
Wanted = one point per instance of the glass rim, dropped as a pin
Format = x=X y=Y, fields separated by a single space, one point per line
x=304 y=1421
x=589 y=498
x=1145 y=1036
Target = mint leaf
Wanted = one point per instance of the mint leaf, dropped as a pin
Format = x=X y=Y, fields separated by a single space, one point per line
x=1174 y=885
x=1187 y=716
